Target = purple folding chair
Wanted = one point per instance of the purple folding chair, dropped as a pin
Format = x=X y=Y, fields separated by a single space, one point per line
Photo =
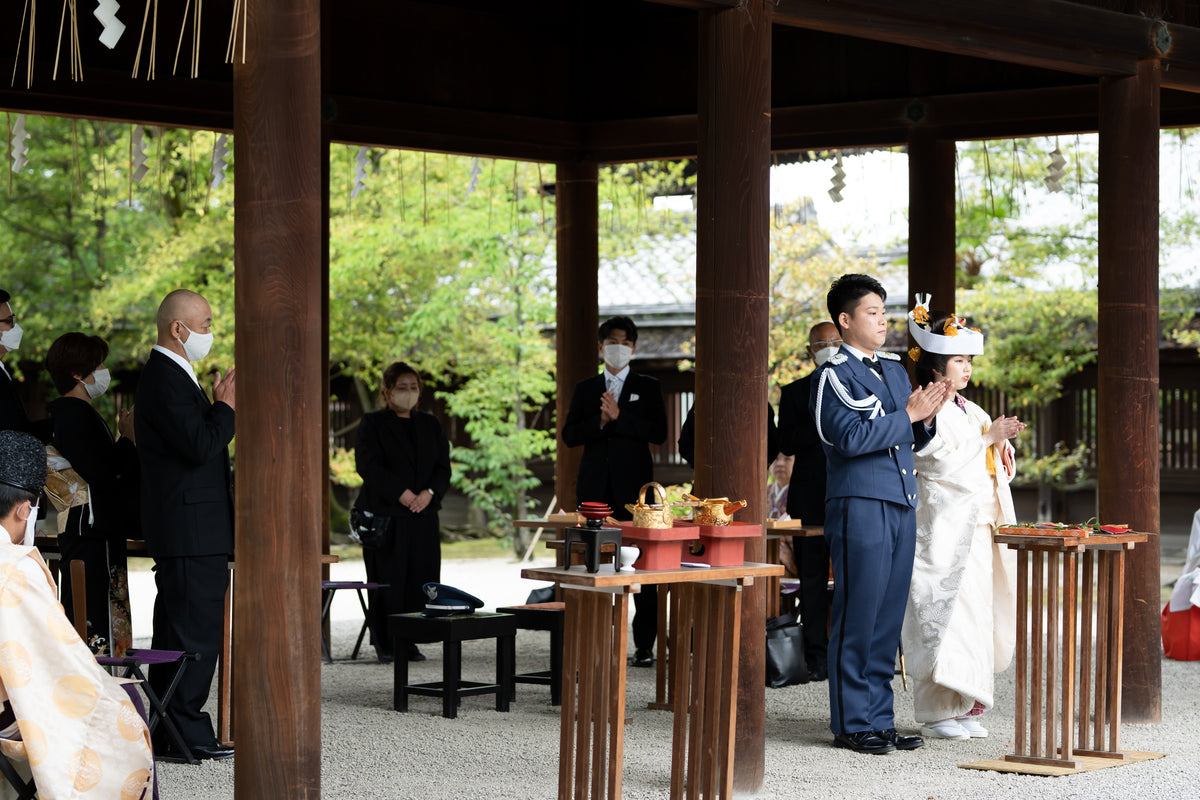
x=132 y=663
x=328 y=590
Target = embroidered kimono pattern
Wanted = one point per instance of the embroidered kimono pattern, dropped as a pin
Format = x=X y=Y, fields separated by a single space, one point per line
x=79 y=733
x=960 y=623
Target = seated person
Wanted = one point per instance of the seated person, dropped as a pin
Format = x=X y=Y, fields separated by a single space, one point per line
x=64 y=718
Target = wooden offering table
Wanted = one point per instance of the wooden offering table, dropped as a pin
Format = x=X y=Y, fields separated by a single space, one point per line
x=704 y=687
x=1068 y=655
x=778 y=529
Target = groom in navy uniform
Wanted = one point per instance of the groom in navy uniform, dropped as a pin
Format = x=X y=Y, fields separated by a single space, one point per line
x=187 y=505
x=616 y=416
x=869 y=425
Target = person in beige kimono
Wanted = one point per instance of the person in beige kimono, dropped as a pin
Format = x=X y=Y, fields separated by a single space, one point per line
x=960 y=623
x=64 y=719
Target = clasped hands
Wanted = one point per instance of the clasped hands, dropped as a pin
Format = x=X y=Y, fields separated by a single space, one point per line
x=609 y=410
x=415 y=503
x=924 y=403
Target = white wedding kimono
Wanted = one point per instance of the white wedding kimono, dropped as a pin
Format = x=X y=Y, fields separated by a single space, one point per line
x=76 y=728
x=960 y=624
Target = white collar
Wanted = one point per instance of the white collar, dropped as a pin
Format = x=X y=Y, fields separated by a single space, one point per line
x=858 y=354
x=620 y=376
x=181 y=361
x=5 y=369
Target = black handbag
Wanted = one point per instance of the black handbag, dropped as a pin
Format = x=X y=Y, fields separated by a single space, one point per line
x=370 y=529
x=785 y=652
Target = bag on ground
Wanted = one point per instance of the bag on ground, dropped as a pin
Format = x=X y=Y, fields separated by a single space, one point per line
x=785 y=652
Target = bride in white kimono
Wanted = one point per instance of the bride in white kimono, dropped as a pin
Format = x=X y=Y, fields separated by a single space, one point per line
x=960 y=623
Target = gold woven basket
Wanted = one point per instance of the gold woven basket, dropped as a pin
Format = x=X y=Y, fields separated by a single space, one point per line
x=652 y=515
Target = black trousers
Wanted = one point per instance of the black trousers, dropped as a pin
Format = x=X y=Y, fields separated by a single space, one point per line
x=812 y=568
x=98 y=557
x=189 y=614
x=412 y=559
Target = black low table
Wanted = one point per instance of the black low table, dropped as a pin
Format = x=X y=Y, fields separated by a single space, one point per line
x=452 y=631
x=543 y=617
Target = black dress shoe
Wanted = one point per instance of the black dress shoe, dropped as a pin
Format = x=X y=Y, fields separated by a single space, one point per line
x=214 y=751
x=642 y=657
x=818 y=671
x=415 y=654
x=864 y=742
x=384 y=656
x=901 y=742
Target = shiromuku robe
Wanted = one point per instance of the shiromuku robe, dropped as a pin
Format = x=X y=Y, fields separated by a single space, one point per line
x=960 y=623
x=79 y=733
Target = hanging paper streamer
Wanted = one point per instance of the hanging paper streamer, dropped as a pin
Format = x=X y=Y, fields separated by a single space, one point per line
x=106 y=12
x=19 y=148
x=218 y=161
x=138 y=147
x=360 y=172
x=473 y=182
x=1054 y=171
x=839 y=181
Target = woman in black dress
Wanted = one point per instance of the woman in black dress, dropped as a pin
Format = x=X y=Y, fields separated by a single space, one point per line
x=404 y=459
x=95 y=531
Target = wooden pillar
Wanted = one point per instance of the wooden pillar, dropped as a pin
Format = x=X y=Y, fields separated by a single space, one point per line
x=1127 y=388
x=932 y=256
x=280 y=451
x=732 y=276
x=576 y=320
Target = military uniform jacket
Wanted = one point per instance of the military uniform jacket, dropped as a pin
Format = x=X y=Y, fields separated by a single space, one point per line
x=866 y=433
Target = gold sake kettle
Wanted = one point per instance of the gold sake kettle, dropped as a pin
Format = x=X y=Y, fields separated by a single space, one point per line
x=714 y=510
x=654 y=514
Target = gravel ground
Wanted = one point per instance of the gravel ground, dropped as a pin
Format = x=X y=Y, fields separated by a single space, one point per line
x=370 y=751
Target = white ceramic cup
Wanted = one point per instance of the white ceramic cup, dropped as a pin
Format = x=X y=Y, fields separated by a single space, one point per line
x=627 y=556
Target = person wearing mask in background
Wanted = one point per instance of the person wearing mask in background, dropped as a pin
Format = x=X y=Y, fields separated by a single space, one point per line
x=806 y=499
x=870 y=425
x=103 y=513
x=403 y=456
x=187 y=506
x=777 y=487
x=12 y=410
x=616 y=416
x=64 y=720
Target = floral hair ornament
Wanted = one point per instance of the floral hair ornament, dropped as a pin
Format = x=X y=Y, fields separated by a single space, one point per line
x=954 y=339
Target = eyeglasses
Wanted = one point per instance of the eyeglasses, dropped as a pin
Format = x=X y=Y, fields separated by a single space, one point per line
x=9 y=320
x=823 y=345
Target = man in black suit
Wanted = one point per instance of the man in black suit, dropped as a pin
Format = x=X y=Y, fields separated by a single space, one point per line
x=806 y=498
x=616 y=416
x=187 y=504
x=12 y=410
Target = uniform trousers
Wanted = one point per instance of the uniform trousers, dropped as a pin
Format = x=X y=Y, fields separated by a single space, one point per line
x=871 y=544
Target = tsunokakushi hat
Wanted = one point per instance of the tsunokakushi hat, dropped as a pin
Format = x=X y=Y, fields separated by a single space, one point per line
x=954 y=338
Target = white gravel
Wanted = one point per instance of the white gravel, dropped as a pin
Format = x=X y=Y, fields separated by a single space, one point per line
x=370 y=751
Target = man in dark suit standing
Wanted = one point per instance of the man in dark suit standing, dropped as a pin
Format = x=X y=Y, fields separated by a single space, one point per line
x=12 y=410
x=187 y=504
x=806 y=498
x=616 y=416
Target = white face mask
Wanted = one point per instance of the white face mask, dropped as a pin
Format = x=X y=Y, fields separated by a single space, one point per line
x=102 y=377
x=197 y=345
x=617 y=355
x=11 y=338
x=30 y=526
x=405 y=401
x=824 y=354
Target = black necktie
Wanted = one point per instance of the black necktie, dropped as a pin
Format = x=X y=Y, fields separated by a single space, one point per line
x=875 y=365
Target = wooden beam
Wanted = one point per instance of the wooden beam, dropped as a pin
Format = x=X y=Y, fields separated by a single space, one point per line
x=1052 y=34
x=698 y=5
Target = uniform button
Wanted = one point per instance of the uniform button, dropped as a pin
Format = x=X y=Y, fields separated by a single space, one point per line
x=897 y=447
x=914 y=473
x=912 y=447
x=903 y=472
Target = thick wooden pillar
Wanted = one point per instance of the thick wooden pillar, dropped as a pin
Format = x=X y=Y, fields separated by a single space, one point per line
x=732 y=276
x=280 y=450
x=931 y=222
x=1127 y=388
x=577 y=209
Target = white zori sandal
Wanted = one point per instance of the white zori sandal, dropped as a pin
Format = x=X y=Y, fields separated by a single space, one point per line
x=972 y=727
x=944 y=729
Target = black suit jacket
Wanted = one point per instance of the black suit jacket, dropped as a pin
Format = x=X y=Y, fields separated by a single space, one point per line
x=618 y=453
x=798 y=437
x=183 y=445
x=110 y=468
x=391 y=460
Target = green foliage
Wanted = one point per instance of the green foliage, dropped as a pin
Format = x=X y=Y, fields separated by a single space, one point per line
x=1063 y=469
x=341 y=468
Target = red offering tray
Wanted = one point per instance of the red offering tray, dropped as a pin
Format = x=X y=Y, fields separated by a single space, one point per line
x=662 y=548
x=1044 y=529
x=722 y=545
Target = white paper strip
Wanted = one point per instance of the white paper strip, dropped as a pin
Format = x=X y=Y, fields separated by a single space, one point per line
x=106 y=12
x=19 y=148
x=218 y=160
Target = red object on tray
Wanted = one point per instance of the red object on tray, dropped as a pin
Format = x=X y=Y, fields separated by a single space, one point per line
x=662 y=548
x=722 y=545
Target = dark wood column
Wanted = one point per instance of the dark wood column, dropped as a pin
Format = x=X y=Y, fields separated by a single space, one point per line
x=280 y=416
x=931 y=220
x=732 y=276
x=578 y=211
x=1127 y=388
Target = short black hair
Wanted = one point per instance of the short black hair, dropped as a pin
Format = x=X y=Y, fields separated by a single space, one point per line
x=74 y=354
x=619 y=324
x=4 y=297
x=11 y=497
x=928 y=362
x=845 y=293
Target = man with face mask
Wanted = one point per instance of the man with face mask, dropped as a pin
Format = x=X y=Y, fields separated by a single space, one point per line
x=63 y=718
x=187 y=504
x=12 y=410
x=616 y=416
x=806 y=498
